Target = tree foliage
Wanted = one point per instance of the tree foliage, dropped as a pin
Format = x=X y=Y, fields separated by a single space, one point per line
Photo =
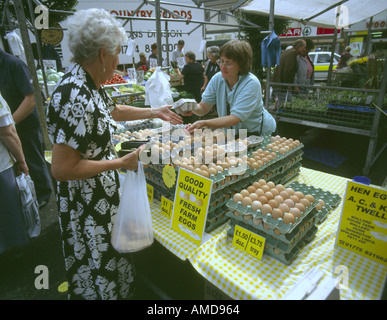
x=255 y=37
x=63 y=5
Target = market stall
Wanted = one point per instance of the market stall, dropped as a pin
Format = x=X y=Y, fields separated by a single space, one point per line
x=292 y=248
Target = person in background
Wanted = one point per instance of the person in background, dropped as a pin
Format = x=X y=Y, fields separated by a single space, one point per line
x=193 y=76
x=17 y=91
x=213 y=66
x=237 y=94
x=179 y=51
x=286 y=71
x=80 y=122
x=142 y=64
x=13 y=234
x=211 y=69
x=345 y=57
x=305 y=68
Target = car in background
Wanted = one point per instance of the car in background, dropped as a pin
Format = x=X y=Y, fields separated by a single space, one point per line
x=321 y=61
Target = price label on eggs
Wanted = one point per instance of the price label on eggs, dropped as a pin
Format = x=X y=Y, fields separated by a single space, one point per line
x=249 y=242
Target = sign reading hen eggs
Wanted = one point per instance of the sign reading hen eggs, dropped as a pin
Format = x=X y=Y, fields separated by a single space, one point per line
x=192 y=199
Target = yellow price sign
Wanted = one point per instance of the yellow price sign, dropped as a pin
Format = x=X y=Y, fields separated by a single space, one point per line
x=249 y=242
x=192 y=198
x=149 y=191
x=363 y=223
x=166 y=206
x=169 y=175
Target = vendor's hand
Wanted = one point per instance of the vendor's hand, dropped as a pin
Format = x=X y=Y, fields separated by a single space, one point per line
x=164 y=113
x=196 y=125
x=202 y=89
x=130 y=160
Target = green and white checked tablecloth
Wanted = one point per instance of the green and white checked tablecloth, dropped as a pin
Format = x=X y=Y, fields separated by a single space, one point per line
x=243 y=277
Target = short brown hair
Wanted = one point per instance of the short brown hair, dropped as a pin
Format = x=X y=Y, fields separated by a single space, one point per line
x=239 y=51
x=191 y=55
x=154 y=46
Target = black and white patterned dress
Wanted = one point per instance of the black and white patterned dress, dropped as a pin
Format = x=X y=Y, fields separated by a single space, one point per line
x=80 y=116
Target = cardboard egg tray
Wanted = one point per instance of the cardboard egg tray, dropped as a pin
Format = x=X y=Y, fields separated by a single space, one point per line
x=216 y=219
x=272 y=223
x=331 y=200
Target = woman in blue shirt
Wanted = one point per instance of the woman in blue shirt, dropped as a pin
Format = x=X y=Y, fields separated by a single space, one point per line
x=237 y=94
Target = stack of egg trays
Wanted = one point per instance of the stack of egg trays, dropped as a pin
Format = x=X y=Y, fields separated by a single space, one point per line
x=282 y=251
x=331 y=200
x=216 y=218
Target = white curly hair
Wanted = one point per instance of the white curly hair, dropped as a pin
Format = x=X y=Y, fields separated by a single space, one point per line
x=91 y=30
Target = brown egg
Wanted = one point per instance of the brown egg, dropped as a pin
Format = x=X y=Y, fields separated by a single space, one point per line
x=273 y=203
x=265 y=188
x=284 y=207
x=251 y=189
x=247 y=217
x=212 y=171
x=320 y=204
x=289 y=202
x=280 y=187
x=277 y=232
x=270 y=184
x=266 y=209
x=263 y=199
x=244 y=193
x=274 y=191
x=288 y=218
x=253 y=196
x=290 y=191
x=300 y=206
x=279 y=199
x=237 y=198
x=269 y=195
x=295 y=212
x=299 y=194
x=256 y=185
x=256 y=205
x=257 y=221
x=246 y=201
x=277 y=213
x=262 y=182
x=205 y=173
x=284 y=195
x=236 y=213
x=259 y=192
x=310 y=198
x=305 y=202
x=294 y=198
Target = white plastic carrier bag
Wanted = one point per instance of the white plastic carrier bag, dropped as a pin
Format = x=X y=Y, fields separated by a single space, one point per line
x=158 y=90
x=30 y=204
x=132 y=230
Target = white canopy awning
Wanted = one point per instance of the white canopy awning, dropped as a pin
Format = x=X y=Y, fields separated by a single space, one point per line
x=312 y=11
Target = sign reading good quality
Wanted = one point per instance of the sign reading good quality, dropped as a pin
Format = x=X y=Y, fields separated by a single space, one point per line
x=192 y=198
x=363 y=224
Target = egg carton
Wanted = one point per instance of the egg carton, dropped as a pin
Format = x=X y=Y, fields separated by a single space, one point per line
x=262 y=226
x=286 y=257
x=216 y=219
x=271 y=222
x=275 y=240
x=331 y=200
x=182 y=106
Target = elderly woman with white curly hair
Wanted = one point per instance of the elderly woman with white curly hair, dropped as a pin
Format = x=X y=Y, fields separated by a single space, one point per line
x=80 y=125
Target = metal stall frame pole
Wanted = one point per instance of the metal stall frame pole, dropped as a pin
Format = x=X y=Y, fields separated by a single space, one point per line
x=31 y=67
x=268 y=70
x=158 y=33
x=39 y=48
x=375 y=124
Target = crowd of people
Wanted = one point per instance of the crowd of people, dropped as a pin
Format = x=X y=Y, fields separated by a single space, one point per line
x=81 y=119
